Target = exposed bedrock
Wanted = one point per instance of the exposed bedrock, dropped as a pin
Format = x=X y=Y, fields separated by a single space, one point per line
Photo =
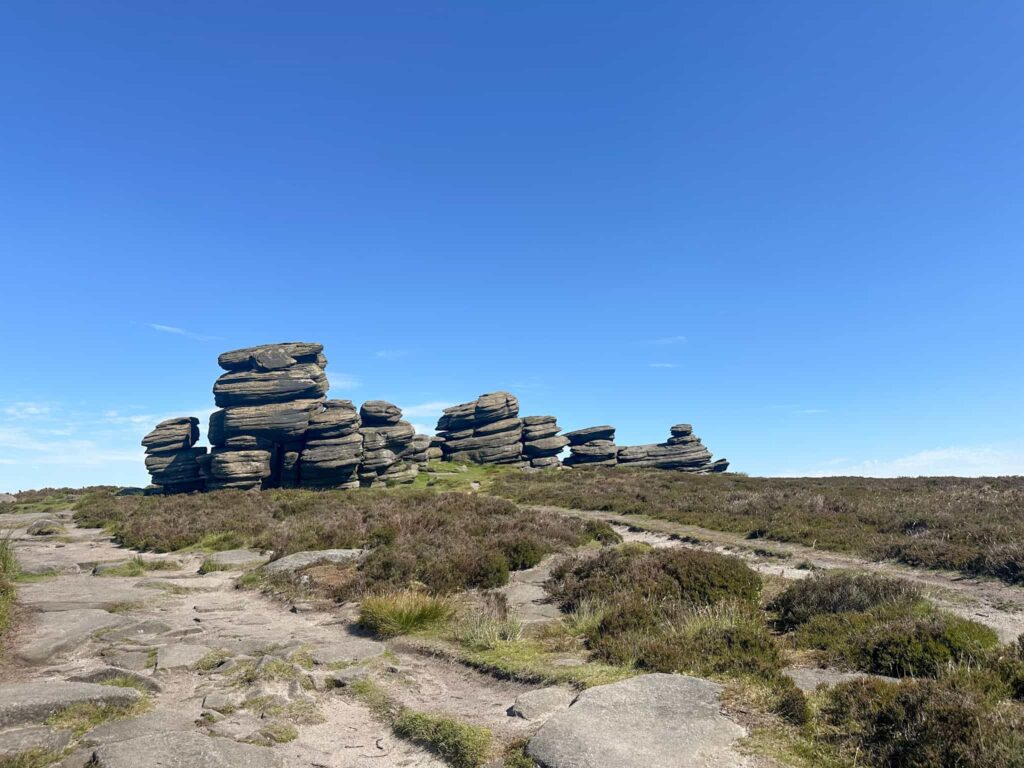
x=171 y=455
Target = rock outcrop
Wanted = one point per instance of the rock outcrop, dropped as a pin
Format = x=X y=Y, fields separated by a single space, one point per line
x=386 y=439
x=274 y=427
x=541 y=441
x=682 y=451
x=592 y=447
x=487 y=430
x=172 y=456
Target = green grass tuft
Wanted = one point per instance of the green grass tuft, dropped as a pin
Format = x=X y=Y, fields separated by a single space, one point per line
x=460 y=744
x=403 y=613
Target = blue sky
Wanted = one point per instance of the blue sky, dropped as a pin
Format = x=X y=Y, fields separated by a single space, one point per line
x=798 y=225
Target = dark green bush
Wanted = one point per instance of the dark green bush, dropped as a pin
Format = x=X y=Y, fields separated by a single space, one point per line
x=839 y=592
x=953 y=722
x=888 y=641
x=635 y=571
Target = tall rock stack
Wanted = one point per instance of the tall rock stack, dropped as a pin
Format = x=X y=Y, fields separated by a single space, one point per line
x=172 y=455
x=267 y=398
x=386 y=437
x=333 y=449
x=541 y=441
x=487 y=430
x=418 y=451
x=682 y=451
x=592 y=447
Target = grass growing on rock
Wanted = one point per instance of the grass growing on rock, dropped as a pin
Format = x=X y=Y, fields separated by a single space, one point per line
x=972 y=525
x=32 y=758
x=459 y=744
x=138 y=566
x=446 y=541
x=84 y=716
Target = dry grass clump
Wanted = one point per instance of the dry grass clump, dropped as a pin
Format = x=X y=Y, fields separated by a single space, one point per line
x=447 y=541
x=974 y=525
x=8 y=571
x=840 y=592
x=404 y=612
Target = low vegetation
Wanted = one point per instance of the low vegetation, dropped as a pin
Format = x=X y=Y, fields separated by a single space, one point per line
x=460 y=744
x=50 y=499
x=972 y=525
x=445 y=541
x=8 y=572
x=404 y=612
x=83 y=717
x=138 y=566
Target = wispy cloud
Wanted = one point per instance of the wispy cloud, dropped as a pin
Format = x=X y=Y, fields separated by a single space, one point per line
x=434 y=407
x=343 y=380
x=172 y=329
x=390 y=354
x=963 y=461
x=810 y=411
x=27 y=410
x=666 y=341
x=662 y=365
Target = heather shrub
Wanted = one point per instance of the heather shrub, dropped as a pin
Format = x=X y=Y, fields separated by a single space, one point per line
x=956 y=721
x=640 y=573
x=833 y=592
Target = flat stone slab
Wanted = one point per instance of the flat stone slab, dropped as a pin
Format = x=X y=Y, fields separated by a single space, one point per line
x=22 y=703
x=184 y=750
x=68 y=593
x=234 y=559
x=31 y=737
x=54 y=633
x=808 y=679
x=539 y=704
x=150 y=724
x=650 y=721
x=346 y=651
x=300 y=560
x=181 y=655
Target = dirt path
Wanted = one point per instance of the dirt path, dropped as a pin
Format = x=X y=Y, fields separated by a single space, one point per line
x=165 y=626
x=994 y=603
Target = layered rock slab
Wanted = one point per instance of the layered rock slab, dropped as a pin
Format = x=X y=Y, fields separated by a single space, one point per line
x=649 y=721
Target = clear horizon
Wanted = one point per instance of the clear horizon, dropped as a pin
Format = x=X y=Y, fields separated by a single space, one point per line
x=799 y=228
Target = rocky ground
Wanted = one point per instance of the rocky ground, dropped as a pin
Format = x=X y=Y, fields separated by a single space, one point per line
x=116 y=665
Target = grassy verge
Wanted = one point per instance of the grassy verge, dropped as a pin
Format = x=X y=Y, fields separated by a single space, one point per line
x=137 y=566
x=8 y=573
x=459 y=744
x=973 y=525
x=50 y=499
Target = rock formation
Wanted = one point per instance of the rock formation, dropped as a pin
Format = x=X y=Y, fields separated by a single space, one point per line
x=541 y=441
x=487 y=430
x=593 y=447
x=386 y=440
x=682 y=451
x=171 y=455
x=274 y=427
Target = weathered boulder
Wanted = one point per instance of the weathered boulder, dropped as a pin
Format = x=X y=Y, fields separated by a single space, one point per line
x=683 y=451
x=582 y=436
x=299 y=560
x=171 y=455
x=277 y=422
x=379 y=413
x=592 y=446
x=541 y=703
x=301 y=381
x=336 y=418
x=649 y=721
x=272 y=356
x=237 y=469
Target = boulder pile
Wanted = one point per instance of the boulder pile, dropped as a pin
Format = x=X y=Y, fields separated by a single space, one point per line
x=487 y=430
x=171 y=455
x=386 y=437
x=274 y=427
x=682 y=451
x=592 y=447
x=267 y=398
x=541 y=441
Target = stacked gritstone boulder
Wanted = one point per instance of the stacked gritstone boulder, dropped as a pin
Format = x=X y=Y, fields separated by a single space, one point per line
x=592 y=447
x=267 y=398
x=682 y=451
x=487 y=430
x=418 y=451
x=386 y=437
x=436 y=450
x=172 y=456
x=541 y=441
x=333 y=449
